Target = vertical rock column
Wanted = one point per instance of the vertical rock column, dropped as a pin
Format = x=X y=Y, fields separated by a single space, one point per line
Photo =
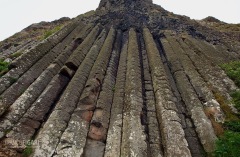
x=97 y=133
x=73 y=139
x=191 y=136
x=212 y=74
x=76 y=58
x=133 y=138
x=154 y=139
x=18 y=88
x=40 y=109
x=30 y=123
x=174 y=141
x=113 y=144
x=202 y=123
x=57 y=122
x=27 y=60
x=21 y=105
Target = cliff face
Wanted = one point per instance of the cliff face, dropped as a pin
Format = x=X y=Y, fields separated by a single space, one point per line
x=29 y=37
x=229 y=31
x=129 y=79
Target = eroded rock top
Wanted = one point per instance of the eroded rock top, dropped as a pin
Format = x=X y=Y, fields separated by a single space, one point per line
x=122 y=4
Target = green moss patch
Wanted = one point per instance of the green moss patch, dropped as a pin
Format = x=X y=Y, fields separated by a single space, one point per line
x=3 y=67
x=228 y=145
x=232 y=69
x=52 y=31
x=230 y=116
x=232 y=126
x=236 y=99
x=28 y=150
x=15 y=55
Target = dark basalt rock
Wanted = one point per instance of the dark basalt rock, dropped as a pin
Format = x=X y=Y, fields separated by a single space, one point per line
x=129 y=79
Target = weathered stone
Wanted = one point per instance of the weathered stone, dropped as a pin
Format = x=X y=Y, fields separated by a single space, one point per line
x=154 y=149
x=25 y=61
x=66 y=104
x=76 y=139
x=67 y=72
x=100 y=119
x=134 y=137
x=128 y=79
x=96 y=148
x=79 y=54
x=171 y=129
x=113 y=143
x=201 y=122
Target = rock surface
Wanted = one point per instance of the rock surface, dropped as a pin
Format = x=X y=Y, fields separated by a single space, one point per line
x=29 y=37
x=129 y=79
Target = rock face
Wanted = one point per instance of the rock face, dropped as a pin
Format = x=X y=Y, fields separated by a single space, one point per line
x=129 y=79
x=229 y=31
x=123 y=4
x=29 y=37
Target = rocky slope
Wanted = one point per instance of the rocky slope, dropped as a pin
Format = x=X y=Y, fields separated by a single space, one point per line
x=129 y=79
x=29 y=37
x=231 y=31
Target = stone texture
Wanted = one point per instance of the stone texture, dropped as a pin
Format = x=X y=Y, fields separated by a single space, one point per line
x=113 y=143
x=128 y=79
x=133 y=137
x=202 y=123
x=73 y=142
x=170 y=126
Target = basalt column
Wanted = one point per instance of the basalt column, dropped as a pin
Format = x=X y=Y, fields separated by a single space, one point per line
x=129 y=79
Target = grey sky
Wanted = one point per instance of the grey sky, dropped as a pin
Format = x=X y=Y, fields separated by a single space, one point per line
x=18 y=14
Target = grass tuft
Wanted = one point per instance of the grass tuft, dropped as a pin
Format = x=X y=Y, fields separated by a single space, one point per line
x=228 y=145
x=232 y=126
x=230 y=116
x=236 y=99
x=232 y=69
x=50 y=32
x=28 y=150
x=15 y=55
x=3 y=67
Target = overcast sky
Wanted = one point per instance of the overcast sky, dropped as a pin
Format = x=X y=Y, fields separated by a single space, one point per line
x=16 y=15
